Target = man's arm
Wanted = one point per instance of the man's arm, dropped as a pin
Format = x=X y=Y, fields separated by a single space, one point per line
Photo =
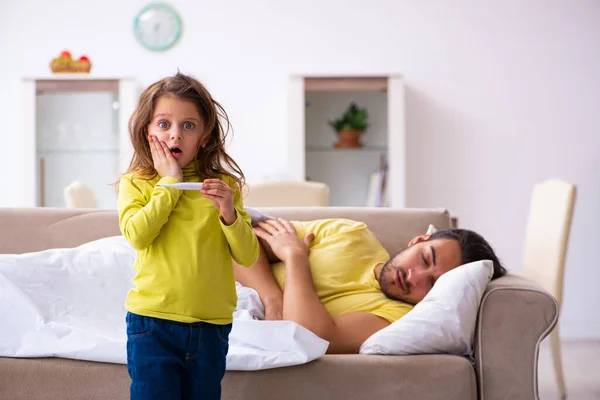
x=260 y=278
x=300 y=301
x=351 y=331
x=345 y=333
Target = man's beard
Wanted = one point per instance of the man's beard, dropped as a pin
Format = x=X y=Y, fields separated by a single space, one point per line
x=383 y=284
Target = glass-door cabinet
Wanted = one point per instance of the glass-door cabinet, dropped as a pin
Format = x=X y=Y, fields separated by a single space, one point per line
x=75 y=133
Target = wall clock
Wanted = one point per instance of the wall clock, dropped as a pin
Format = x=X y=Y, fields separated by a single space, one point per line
x=157 y=26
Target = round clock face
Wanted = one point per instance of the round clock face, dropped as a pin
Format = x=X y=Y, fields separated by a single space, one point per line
x=157 y=27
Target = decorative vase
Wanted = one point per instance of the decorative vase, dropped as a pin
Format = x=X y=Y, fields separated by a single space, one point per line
x=348 y=138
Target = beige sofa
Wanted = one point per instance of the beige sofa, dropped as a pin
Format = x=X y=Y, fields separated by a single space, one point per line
x=515 y=315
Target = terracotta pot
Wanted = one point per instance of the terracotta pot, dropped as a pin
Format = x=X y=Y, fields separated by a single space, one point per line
x=348 y=138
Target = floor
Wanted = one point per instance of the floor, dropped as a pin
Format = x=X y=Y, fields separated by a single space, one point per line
x=581 y=364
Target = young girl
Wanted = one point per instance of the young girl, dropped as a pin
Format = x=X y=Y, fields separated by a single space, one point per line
x=180 y=309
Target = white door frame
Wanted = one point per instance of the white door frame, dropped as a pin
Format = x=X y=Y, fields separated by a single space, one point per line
x=396 y=135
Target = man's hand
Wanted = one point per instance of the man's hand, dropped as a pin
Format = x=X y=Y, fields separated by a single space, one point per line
x=274 y=310
x=283 y=239
x=164 y=162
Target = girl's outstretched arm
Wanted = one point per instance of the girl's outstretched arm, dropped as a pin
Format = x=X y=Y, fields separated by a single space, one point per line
x=242 y=240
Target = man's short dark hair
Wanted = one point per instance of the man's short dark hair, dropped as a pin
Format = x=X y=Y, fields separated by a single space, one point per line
x=473 y=248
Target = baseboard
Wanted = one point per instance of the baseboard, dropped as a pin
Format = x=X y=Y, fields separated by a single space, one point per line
x=578 y=330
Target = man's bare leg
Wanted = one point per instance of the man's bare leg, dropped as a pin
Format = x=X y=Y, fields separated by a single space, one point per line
x=260 y=278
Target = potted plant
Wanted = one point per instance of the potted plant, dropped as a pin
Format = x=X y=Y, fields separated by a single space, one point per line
x=350 y=126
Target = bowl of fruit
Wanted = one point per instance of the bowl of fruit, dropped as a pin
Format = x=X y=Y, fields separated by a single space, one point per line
x=64 y=64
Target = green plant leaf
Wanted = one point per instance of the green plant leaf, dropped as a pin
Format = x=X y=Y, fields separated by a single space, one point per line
x=353 y=117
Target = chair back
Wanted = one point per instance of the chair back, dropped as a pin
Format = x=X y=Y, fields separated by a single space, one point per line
x=547 y=234
x=79 y=195
x=287 y=193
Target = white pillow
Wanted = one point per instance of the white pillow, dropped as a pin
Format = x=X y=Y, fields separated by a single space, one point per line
x=431 y=229
x=443 y=322
x=257 y=216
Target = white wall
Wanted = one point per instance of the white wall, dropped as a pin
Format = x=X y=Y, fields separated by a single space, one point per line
x=499 y=95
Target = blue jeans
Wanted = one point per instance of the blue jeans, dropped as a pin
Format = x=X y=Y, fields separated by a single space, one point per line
x=173 y=360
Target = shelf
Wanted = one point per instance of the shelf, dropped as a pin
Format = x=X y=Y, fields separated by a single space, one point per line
x=77 y=151
x=77 y=77
x=345 y=83
x=331 y=148
x=76 y=85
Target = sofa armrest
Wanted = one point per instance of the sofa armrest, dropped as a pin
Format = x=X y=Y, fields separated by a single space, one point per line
x=514 y=316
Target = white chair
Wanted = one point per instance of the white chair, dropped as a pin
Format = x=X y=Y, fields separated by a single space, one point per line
x=287 y=193
x=79 y=195
x=546 y=241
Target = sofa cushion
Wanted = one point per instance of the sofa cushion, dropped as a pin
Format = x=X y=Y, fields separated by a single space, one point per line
x=331 y=377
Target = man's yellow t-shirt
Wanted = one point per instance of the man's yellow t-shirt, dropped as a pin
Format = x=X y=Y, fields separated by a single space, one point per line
x=342 y=257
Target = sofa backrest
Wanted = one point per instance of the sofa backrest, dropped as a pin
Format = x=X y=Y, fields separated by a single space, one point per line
x=25 y=230
x=394 y=227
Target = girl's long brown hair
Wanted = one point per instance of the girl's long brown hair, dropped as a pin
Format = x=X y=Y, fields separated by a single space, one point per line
x=212 y=159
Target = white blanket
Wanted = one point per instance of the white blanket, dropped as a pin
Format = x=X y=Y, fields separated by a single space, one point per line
x=69 y=303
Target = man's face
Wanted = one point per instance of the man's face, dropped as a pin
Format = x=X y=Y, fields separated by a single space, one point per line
x=411 y=274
